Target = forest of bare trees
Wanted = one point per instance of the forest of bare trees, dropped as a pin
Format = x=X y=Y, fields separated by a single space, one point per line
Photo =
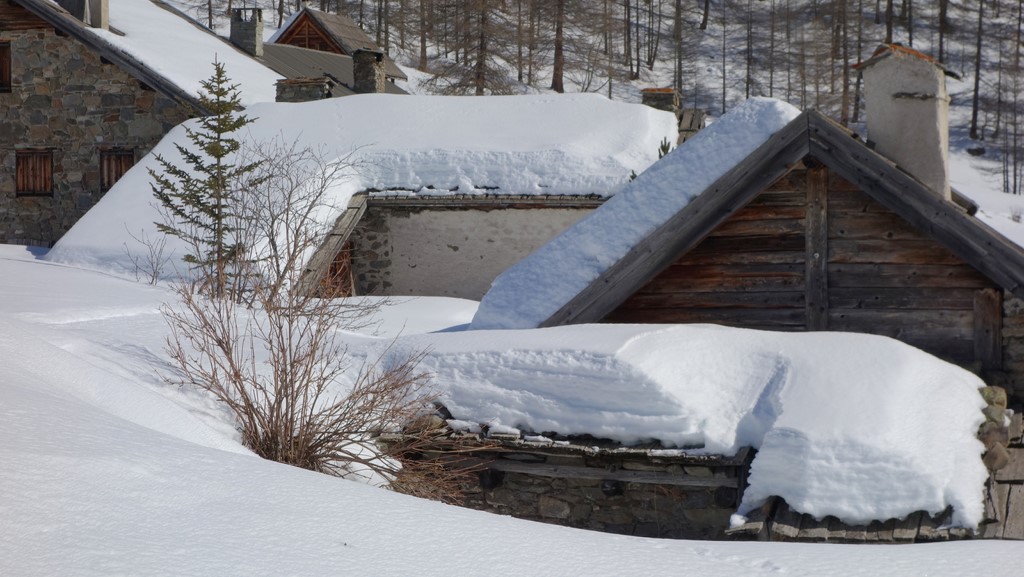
x=716 y=52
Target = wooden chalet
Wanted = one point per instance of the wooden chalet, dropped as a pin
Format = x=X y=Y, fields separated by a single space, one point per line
x=316 y=30
x=815 y=231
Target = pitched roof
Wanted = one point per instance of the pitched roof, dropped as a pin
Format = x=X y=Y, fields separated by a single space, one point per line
x=810 y=133
x=162 y=47
x=294 y=62
x=342 y=30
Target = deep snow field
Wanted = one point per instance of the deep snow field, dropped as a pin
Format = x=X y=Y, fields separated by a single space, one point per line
x=106 y=471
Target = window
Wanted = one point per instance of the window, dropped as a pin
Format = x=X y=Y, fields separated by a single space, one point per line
x=34 y=169
x=5 y=66
x=114 y=163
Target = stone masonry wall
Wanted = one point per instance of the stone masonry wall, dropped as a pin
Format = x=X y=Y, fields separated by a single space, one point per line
x=629 y=491
x=1013 y=349
x=66 y=99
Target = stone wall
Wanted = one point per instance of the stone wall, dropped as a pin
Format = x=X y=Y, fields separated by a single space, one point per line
x=1012 y=377
x=445 y=247
x=66 y=99
x=666 y=494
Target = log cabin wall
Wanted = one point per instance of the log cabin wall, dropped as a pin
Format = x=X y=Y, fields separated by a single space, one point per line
x=812 y=252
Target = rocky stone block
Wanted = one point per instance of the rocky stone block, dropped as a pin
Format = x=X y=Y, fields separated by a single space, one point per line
x=996 y=458
x=995 y=396
x=553 y=508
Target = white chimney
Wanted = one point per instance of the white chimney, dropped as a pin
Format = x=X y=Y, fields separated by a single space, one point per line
x=908 y=113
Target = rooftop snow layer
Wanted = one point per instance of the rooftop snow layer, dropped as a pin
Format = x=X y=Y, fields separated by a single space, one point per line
x=183 y=52
x=551 y=144
x=525 y=295
x=858 y=426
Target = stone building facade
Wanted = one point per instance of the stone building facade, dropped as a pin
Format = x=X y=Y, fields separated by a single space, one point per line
x=70 y=125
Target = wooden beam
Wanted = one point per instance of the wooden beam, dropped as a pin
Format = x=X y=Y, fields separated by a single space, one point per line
x=988 y=328
x=325 y=254
x=574 y=472
x=685 y=229
x=816 y=262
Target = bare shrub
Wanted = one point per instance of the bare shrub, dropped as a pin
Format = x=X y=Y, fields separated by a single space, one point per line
x=149 y=263
x=277 y=356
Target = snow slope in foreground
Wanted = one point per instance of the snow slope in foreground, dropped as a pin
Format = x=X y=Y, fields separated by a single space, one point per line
x=99 y=477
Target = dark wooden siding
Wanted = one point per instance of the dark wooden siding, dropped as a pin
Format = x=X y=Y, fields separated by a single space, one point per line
x=749 y=272
x=814 y=253
x=14 y=17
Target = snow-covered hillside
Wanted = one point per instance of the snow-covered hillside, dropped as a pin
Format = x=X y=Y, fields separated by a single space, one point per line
x=106 y=471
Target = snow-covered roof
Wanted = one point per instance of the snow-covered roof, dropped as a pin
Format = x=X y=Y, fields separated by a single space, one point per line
x=432 y=145
x=531 y=291
x=341 y=30
x=586 y=272
x=842 y=421
x=154 y=37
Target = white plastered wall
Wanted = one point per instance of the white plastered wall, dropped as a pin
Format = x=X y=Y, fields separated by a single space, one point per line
x=908 y=116
x=458 y=253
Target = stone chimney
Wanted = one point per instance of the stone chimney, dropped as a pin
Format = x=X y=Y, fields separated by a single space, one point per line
x=666 y=99
x=908 y=113
x=368 y=71
x=247 y=30
x=95 y=13
x=303 y=89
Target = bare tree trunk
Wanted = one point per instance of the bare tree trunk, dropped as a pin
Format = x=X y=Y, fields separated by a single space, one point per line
x=724 y=28
x=559 y=64
x=519 y=40
x=677 y=38
x=888 y=21
x=977 y=72
x=422 y=65
x=910 y=22
x=845 y=40
x=627 y=34
x=943 y=28
x=705 y=15
x=860 y=48
x=480 y=76
x=750 y=48
x=531 y=47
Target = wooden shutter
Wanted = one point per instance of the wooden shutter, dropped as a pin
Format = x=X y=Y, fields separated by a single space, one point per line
x=34 y=169
x=5 y=66
x=113 y=164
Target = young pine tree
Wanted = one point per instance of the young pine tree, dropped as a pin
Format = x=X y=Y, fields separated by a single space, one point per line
x=198 y=197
